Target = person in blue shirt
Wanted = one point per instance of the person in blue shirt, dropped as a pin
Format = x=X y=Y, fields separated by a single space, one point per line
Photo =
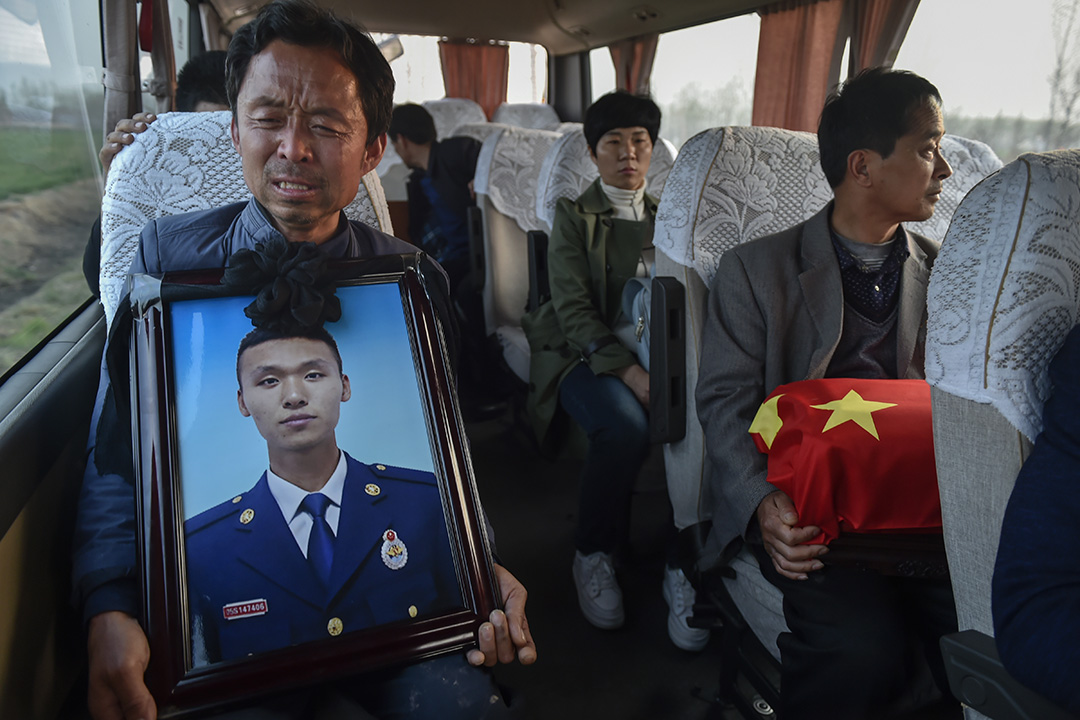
x=322 y=544
x=1036 y=587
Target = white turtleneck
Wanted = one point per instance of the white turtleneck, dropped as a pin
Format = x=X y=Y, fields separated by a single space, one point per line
x=628 y=204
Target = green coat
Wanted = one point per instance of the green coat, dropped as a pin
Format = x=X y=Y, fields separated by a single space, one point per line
x=591 y=255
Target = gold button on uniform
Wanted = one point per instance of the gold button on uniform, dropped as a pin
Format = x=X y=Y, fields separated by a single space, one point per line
x=380 y=467
x=334 y=627
x=247 y=516
x=372 y=489
x=412 y=611
x=237 y=499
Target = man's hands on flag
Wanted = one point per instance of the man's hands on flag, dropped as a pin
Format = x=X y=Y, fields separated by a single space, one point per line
x=782 y=537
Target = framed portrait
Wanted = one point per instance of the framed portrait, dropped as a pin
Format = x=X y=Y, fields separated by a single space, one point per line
x=306 y=501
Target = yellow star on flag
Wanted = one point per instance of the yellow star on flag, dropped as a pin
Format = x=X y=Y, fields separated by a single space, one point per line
x=767 y=422
x=852 y=407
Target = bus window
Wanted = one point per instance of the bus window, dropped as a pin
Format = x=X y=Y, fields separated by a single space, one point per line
x=418 y=71
x=51 y=105
x=702 y=76
x=997 y=76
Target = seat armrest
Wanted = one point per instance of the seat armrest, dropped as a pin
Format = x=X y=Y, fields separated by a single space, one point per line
x=979 y=680
x=667 y=361
x=474 y=226
x=539 y=287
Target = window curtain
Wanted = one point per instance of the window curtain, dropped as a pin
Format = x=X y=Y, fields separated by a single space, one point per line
x=799 y=50
x=477 y=71
x=879 y=26
x=633 y=59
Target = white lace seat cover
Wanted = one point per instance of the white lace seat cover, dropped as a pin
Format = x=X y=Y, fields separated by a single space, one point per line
x=478 y=130
x=568 y=170
x=185 y=162
x=538 y=116
x=451 y=113
x=1006 y=288
x=743 y=183
x=507 y=172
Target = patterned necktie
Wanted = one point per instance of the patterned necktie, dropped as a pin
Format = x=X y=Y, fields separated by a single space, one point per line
x=320 y=549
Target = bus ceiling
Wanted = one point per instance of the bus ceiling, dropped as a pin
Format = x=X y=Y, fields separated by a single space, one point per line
x=561 y=26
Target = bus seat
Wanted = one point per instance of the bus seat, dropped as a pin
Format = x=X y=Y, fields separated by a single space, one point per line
x=538 y=116
x=478 y=130
x=567 y=171
x=185 y=162
x=451 y=113
x=1004 y=293
x=507 y=172
x=728 y=186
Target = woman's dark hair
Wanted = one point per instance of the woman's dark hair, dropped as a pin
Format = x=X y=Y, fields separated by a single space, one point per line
x=202 y=79
x=620 y=109
x=301 y=22
x=870 y=112
x=414 y=122
x=258 y=336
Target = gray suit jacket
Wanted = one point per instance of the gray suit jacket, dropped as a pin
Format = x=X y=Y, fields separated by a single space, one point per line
x=775 y=314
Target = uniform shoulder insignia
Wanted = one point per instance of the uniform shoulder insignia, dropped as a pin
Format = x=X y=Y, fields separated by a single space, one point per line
x=206 y=518
x=390 y=472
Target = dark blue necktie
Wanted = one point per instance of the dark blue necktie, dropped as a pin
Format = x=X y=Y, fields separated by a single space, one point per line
x=320 y=549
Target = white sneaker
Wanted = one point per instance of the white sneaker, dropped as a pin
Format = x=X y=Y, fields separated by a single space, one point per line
x=679 y=595
x=598 y=593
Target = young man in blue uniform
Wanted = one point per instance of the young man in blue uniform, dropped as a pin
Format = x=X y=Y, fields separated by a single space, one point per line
x=322 y=544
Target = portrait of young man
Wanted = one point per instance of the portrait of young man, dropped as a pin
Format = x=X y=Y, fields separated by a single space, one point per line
x=323 y=544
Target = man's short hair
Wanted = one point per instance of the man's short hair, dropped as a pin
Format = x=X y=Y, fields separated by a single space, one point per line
x=202 y=79
x=414 y=122
x=870 y=112
x=258 y=336
x=301 y=22
x=620 y=109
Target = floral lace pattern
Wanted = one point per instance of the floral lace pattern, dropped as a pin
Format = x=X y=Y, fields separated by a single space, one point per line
x=508 y=169
x=1006 y=288
x=538 y=116
x=185 y=162
x=568 y=170
x=734 y=184
x=451 y=113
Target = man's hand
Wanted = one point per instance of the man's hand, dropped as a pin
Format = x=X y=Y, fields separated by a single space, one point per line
x=124 y=134
x=777 y=517
x=119 y=654
x=637 y=380
x=507 y=634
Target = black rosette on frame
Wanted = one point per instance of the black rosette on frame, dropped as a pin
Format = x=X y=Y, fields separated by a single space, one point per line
x=291 y=285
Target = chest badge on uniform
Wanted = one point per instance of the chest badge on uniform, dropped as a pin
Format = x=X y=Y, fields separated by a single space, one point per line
x=245 y=609
x=394 y=552
x=372 y=489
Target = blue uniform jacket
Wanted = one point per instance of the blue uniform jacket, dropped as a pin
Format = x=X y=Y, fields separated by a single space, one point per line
x=242 y=552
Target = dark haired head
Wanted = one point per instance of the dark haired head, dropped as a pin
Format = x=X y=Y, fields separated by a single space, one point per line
x=414 y=122
x=620 y=109
x=301 y=22
x=258 y=336
x=870 y=112
x=202 y=79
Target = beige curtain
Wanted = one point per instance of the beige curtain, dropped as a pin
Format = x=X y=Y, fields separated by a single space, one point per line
x=879 y=27
x=633 y=59
x=477 y=71
x=798 y=62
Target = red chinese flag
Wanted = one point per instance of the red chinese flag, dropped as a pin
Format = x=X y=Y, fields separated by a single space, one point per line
x=853 y=455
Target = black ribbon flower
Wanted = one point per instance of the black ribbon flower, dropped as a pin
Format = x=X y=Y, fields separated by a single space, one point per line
x=291 y=286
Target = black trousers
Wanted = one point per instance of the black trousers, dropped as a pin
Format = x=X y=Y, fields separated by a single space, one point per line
x=861 y=645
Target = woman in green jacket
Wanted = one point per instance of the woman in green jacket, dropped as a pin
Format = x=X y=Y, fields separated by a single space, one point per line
x=579 y=364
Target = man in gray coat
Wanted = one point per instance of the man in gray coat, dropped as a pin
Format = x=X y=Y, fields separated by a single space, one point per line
x=841 y=295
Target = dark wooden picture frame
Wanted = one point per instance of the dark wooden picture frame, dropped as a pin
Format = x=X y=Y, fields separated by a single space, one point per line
x=181 y=686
